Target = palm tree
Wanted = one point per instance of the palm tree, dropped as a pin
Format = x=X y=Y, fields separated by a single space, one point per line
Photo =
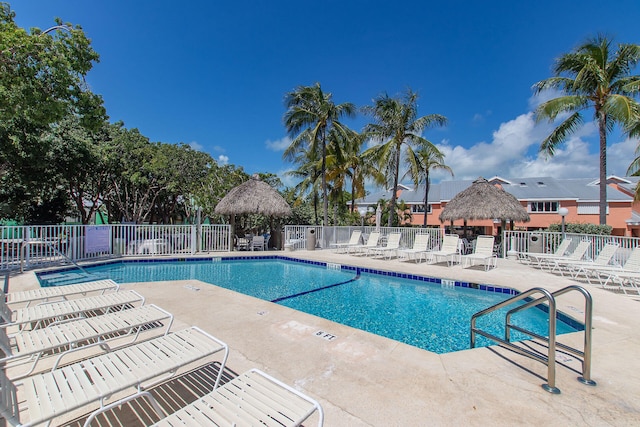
x=346 y=163
x=310 y=114
x=421 y=162
x=308 y=172
x=592 y=76
x=397 y=125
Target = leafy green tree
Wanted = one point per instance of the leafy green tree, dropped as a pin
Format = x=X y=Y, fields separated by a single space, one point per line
x=594 y=76
x=220 y=179
x=397 y=125
x=183 y=169
x=310 y=114
x=76 y=161
x=421 y=162
x=41 y=83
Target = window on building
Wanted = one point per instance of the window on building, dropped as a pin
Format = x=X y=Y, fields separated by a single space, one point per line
x=419 y=209
x=590 y=208
x=543 y=206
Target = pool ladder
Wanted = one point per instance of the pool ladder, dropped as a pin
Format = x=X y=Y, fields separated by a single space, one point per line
x=550 y=359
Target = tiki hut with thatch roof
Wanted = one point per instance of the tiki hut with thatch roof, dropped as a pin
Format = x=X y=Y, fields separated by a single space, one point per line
x=253 y=197
x=483 y=200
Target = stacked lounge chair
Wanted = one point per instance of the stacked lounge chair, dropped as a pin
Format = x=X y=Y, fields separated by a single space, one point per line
x=36 y=316
x=59 y=292
x=539 y=258
x=126 y=373
x=68 y=338
x=576 y=268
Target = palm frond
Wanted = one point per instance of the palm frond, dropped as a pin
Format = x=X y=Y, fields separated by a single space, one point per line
x=560 y=133
x=549 y=110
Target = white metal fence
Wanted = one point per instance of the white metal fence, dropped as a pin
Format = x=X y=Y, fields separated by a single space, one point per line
x=42 y=245
x=297 y=236
x=547 y=242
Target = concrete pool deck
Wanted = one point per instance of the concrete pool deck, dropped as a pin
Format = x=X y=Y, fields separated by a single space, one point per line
x=365 y=380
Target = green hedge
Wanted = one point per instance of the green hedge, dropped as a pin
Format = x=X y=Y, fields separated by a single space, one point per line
x=578 y=228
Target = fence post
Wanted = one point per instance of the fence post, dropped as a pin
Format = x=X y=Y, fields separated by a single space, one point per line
x=194 y=239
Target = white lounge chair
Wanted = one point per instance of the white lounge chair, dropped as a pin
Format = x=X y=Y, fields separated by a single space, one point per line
x=353 y=241
x=372 y=242
x=419 y=249
x=483 y=251
x=392 y=246
x=36 y=316
x=554 y=263
x=251 y=399
x=59 y=292
x=130 y=370
x=630 y=268
x=539 y=258
x=575 y=268
x=449 y=250
x=68 y=337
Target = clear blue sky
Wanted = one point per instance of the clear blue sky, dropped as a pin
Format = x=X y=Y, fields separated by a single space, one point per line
x=214 y=74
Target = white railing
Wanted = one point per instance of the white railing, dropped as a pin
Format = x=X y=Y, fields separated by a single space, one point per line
x=297 y=235
x=547 y=242
x=42 y=245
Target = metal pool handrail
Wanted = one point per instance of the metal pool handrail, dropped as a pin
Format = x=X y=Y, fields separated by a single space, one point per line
x=550 y=360
x=585 y=354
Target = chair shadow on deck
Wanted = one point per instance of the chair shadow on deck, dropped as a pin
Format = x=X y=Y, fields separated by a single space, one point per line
x=171 y=395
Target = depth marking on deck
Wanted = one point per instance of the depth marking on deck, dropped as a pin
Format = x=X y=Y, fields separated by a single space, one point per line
x=325 y=336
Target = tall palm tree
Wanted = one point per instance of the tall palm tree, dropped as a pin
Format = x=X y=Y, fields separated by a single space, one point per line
x=592 y=76
x=396 y=125
x=346 y=163
x=310 y=114
x=308 y=173
x=421 y=162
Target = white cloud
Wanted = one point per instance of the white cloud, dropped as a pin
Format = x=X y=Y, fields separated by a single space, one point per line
x=620 y=155
x=279 y=144
x=196 y=146
x=510 y=142
x=222 y=159
x=479 y=118
x=287 y=181
x=513 y=152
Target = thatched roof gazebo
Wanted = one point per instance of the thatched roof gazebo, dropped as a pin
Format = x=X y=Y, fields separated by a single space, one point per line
x=483 y=200
x=253 y=197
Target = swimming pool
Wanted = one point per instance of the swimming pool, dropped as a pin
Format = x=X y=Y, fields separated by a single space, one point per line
x=419 y=311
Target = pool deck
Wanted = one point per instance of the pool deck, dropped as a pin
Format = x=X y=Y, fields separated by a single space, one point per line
x=365 y=380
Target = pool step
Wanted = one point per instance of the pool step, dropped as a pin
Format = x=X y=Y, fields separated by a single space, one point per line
x=68 y=278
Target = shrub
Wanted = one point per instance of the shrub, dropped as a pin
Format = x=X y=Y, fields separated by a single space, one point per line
x=580 y=228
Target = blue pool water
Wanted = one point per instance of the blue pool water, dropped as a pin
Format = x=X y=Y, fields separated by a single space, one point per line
x=427 y=315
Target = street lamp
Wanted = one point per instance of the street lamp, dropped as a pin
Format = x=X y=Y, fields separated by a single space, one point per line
x=563 y=212
x=362 y=210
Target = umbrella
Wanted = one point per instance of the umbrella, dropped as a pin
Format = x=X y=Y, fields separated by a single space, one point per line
x=253 y=197
x=483 y=200
x=378 y=217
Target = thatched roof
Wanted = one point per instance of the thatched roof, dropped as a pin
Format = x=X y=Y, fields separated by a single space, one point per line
x=483 y=200
x=253 y=197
